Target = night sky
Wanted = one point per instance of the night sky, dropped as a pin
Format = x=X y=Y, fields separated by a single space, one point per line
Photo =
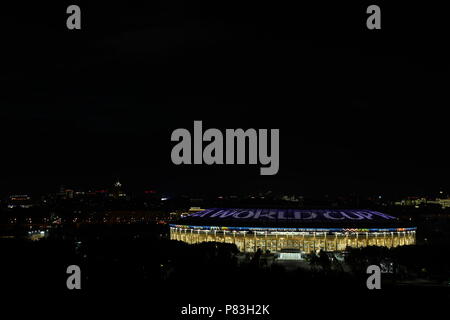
x=358 y=110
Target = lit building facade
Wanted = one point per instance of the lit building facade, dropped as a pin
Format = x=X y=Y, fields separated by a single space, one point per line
x=285 y=229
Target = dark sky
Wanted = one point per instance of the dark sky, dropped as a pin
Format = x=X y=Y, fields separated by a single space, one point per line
x=358 y=110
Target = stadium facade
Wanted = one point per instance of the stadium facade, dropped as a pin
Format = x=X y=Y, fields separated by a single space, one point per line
x=307 y=231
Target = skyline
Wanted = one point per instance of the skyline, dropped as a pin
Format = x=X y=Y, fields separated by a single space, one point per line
x=133 y=191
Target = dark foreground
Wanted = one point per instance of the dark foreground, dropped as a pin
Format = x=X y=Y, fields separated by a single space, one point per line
x=147 y=276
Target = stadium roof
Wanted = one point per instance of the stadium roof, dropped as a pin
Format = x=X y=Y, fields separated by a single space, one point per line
x=289 y=218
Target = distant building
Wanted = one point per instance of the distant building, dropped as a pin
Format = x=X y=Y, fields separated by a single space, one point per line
x=69 y=193
x=444 y=203
x=411 y=201
x=195 y=209
x=19 y=201
x=416 y=202
x=117 y=190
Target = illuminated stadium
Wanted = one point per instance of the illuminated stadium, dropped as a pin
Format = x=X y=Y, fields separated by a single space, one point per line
x=306 y=231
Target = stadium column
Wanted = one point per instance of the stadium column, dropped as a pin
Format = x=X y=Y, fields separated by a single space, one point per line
x=325 y=241
x=265 y=241
x=303 y=242
x=254 y=240
x=191 y=238
x=245 y=248
x=336 y=242
x=367 y=239
x=384 y=239
x=198 y=236
x=314 y=242
x=357 y=244
x=276 y=242
x=215 y=235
